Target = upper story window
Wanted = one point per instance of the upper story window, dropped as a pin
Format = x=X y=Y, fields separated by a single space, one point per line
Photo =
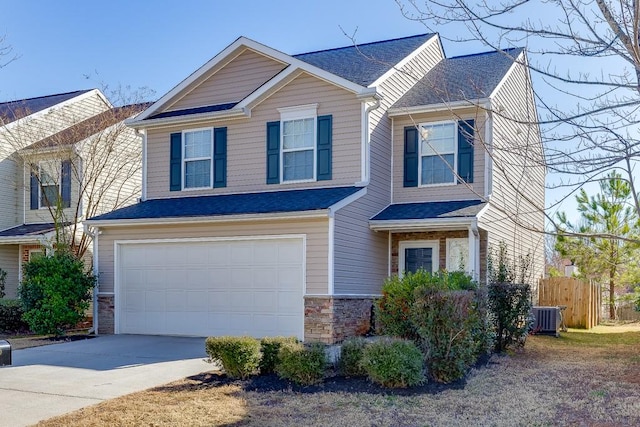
x=50 y=184
x=438 y=144
x=439 y=153
x=299 y=146
x=50 y=178
x=298 y=149
x=198 y=159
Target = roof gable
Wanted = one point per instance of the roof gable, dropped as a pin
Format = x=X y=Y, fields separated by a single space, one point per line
x=363 y=64
x=14 y=110
x=461 y=78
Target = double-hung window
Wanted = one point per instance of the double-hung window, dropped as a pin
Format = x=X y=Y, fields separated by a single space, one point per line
x=438 y=157
x=298 y=135
x=50 y=178
x=197 y=164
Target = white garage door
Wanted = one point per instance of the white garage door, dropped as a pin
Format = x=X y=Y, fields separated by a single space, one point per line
x=207 y=288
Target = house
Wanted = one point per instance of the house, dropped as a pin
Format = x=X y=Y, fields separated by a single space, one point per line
x=279 y=191
x=53 y=165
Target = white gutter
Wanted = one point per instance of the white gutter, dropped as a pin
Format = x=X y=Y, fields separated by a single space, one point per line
x=234 y=113
x=320 y=213
x=444 y=106
x=418 y=224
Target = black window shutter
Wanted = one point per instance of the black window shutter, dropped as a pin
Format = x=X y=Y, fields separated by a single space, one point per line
x=65 y=187
x=220 y=157
x=34 y=187
x=175 y=164
x=465 y=150
x=273 y=152
x=411 y=156
x=324 y=147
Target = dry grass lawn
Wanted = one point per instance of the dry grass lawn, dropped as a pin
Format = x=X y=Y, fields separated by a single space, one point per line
x=580 y=379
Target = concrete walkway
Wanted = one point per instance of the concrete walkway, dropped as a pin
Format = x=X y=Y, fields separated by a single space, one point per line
x=52 y=380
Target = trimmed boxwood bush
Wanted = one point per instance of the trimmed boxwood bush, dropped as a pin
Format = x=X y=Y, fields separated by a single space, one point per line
x=351 y=357
x=393 y=363
x=302 y=364
x=239 y=356
x=11 y=316
x=270 y=348
x=450 y=326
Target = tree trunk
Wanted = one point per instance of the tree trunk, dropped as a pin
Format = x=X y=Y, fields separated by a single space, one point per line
x=612 y=296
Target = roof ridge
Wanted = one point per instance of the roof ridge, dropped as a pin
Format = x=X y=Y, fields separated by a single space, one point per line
x=488 y=52
x=46 y=96
x=364 y=44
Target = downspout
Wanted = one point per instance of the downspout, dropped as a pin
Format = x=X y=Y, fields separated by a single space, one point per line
x=143 y=186
x=94 y=237
x=474 y=236
x=367 y=142
x=24 y=192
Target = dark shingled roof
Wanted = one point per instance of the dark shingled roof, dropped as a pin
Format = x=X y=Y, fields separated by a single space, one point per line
x=197 y=110
x=233 y=204
x=364 y=63
x=430 y=210
x=14 y=110
x=27 y=230
x=90 y=126
x=460 y=78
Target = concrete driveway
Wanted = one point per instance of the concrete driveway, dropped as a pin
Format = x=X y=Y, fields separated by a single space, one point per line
x=47 y=381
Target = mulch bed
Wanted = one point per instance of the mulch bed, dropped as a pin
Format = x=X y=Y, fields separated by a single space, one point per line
x=332 y=383
x=19 y=342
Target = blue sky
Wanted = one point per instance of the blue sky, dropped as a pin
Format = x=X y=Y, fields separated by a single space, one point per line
x=69 y=45
x=157 y=44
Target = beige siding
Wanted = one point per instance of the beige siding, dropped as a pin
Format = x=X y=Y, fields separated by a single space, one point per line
x=231 y=83
x=43 y=214
x=403 y=194
x=22 y=134
x=316 y=232
x=246 y=141
x=9 y=262
x=111 y=170
x=360 y=254
x=516 y=215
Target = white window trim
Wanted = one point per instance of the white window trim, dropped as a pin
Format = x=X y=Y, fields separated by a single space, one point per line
x=455 y=153
x=300 y=112
x=413 y=244
x=183 y=179
x=58 y=180
x=450 y=241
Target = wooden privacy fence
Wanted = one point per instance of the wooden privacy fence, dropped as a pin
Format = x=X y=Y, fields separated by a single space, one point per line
x=582 y=300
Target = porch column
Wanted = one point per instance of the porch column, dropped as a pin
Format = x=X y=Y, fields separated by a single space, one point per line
x=473 y=266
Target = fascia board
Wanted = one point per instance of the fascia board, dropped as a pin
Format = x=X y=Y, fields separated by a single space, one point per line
x=320 y=213
x=419 y=224
x=445 y=106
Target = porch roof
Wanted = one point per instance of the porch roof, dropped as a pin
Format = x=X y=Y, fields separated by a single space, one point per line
x=447 y=214
x=25 y=233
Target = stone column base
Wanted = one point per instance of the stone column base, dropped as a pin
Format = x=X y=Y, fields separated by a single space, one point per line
x=331 y=319
x=106 y=314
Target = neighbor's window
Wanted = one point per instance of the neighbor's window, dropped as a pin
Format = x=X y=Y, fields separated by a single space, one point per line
x=197 y=163
x=438 y=144
x=49 y=182
x=418 y=255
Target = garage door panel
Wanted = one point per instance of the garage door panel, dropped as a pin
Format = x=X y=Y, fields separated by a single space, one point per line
x=252 y=287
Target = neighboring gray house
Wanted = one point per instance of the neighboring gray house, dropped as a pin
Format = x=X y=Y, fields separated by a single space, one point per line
x=280 y=191
x=47 y=146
